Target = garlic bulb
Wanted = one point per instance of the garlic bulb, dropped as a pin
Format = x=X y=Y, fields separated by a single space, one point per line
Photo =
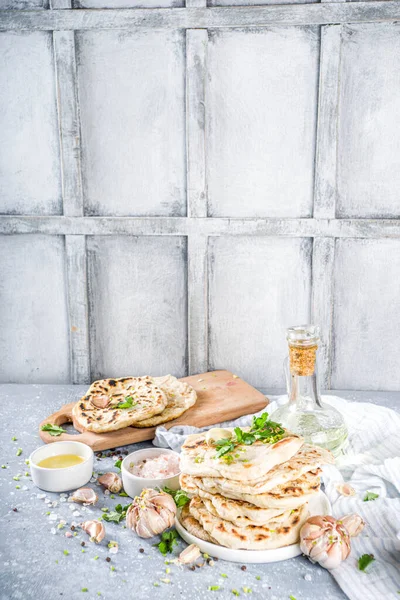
x=353 y=523
x=151 y=513
x=325 y=541
x=217 y=433
x=111 y=481
x=95 y=529
x=189 y=554
x=85 y=496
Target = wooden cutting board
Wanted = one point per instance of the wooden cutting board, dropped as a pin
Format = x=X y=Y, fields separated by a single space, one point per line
x=221 y=396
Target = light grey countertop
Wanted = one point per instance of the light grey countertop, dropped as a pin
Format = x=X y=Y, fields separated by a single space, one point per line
x=33 y=565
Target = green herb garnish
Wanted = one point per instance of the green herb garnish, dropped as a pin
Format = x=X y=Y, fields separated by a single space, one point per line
x=214 y=588
x=117 y=515
x=19 y=451
x=292 y=598
x=180 y=497
x=117 y=464
x=66 y=552
x=370 y=496
x=364 y=561
x=262 y=429
x=84 y=590
x=128 y=403
x=53 y=430
x=247 y=590
x=224 y=575
x=14 y=439
x=235 y=592
x=168 y=541
x=123 y=494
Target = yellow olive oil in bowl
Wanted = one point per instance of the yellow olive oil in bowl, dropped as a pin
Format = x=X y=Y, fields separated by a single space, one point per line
x=61 y=461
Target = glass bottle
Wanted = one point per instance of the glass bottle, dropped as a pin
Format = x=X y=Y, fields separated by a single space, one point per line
x=305 y=414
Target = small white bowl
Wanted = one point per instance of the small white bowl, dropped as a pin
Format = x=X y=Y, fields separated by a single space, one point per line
x=133 y=485
x=64 y=479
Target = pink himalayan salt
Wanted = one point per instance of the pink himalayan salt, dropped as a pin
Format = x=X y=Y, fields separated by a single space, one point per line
x=160 y=467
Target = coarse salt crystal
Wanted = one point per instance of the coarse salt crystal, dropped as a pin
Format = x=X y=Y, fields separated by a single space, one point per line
x=162 y=466
x=53 y=517
x=76 y=513
x=68 y=534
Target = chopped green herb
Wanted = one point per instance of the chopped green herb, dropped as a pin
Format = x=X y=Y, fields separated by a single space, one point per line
x=83 y=550
x=112 y=568
x=112 y=544
x=16 y=477
x=128 y=403
x=27 y=462
x=258 y=577
x=292 y=598
x=123 y=494
x=205 y=555
x=56 y=562
x=199 y=459
x=26 y=474
x=165 y=580
x=247 y=590
x=53 y=430
x=235 y=592
x=19 y=451
x=370 y=496
x=4 y=466
x=14 y=439
x=156 y=584
x=168 y=541
x=99 y=593
x=224 y=575
x=66 y=552
x=17 y=487
x=364 y=561
x=104 y=509
x=117 y=464
x=214 y=588
x=95 y=557
x=179 y=496
x=168 y=570
x=84 y=590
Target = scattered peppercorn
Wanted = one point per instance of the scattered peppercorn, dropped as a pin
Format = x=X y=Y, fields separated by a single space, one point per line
x=192 y=568
x=72 y=528
x=141 y=550
x=108 y=559
x=15 y=509
x=244 y=568
x=83 y=544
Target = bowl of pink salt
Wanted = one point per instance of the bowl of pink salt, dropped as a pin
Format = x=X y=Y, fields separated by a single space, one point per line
x=150 y=468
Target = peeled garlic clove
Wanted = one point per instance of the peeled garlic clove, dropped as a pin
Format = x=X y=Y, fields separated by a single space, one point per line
x=85 y=496
x=95 y=529
x=189 y=554
x=345 y=489
x=217 y=433
x=100 y=401
x=353 y=523
x=111 y=481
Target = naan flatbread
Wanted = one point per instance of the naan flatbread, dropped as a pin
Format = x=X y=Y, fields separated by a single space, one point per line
x=308 y=458
x=98 y=412
x=239 y=512
x=275 y=535
x=287 y=496
x=193 y=526
x=181 y=396
x=250 y=462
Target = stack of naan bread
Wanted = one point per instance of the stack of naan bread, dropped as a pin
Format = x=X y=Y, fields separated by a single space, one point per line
x=258 y=500
x=112 y=404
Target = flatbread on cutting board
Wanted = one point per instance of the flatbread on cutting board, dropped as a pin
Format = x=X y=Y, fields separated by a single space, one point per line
x=98 y=410
x=287 y=496
x=250 y=537
x=180 y=395
x=198 y=457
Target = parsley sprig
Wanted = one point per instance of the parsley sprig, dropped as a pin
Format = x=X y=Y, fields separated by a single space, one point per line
x=128 y=403
x=179 y=496
x=168 y=541
x=262 y=429
x=53 y=430
x=116 y=516
x=364 y=561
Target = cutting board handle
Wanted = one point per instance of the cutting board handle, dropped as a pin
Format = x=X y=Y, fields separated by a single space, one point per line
x=60 y=417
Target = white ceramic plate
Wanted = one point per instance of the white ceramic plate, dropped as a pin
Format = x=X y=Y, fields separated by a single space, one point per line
x=319 y=505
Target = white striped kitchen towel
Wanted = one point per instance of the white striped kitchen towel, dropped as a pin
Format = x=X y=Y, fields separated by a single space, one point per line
x=371 y=464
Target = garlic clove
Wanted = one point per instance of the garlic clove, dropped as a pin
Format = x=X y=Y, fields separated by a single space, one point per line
x=95 y=529
x=100 y=401
x=217 y=433
x=111 y=481
x=345 y=489
x=325 y=541
x=353 y=523
x=85 y=496
x=189 y=554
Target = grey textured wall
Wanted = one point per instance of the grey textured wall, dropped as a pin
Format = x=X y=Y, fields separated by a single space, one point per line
x=180 y=184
